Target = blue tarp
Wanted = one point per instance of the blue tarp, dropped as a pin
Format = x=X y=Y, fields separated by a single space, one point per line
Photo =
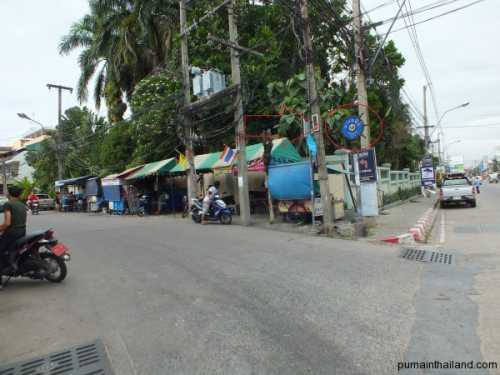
x=290 y=181
x=111 y=192
x=93 y=187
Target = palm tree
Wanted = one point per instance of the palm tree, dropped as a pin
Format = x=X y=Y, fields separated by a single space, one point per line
x=122 y=41
x=27 y=187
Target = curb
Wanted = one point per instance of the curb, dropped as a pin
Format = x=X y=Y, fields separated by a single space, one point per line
x=419 y=232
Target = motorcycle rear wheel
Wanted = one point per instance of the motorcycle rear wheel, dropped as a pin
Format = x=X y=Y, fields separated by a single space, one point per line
x=59 y=269
x=196 y=217
x=226 y=219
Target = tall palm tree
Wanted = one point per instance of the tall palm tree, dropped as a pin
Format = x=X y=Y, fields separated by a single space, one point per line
x=121 y=42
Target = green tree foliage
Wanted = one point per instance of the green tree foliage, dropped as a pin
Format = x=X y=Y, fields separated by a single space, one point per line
x=121 y=42
x=83 y=133
x=117 y=148
x=27 y=187
x=154 y=106
x=44 y=163
x=131 y=50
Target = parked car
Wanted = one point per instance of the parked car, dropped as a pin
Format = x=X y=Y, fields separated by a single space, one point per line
x=493 y=178
x=3 y=200
x=46 y=202
x=457 y=190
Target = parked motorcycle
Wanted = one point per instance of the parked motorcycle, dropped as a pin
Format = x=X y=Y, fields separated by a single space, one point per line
x=35 y=207
x=144 y=205
x=217 y=212
x=39 y=256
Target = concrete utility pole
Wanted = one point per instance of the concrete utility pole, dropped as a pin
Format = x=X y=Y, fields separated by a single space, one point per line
x=426 y=124
x=4 y=177
x=313 y=99
x=59 y=138
x=244 y=200
x=359 y=66
x=191 y=181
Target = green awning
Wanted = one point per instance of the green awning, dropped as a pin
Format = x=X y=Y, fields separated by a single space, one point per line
x=207 y=161
x=158 y=167
x=202 y=162
x=283 y=152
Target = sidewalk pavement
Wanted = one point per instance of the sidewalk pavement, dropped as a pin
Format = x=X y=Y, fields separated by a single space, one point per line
x=398 y=220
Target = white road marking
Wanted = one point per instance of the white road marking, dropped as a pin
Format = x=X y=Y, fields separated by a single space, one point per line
x=442 y=236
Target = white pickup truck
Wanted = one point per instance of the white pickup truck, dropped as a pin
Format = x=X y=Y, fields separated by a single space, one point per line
x=457 y=190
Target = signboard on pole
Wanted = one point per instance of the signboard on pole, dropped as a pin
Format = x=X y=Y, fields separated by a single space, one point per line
x=427 y=175
x=315 y=123
x=367 y=166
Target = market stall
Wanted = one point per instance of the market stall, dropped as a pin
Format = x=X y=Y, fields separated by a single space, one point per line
x=115 y=192
x=70 y=192
x=93 y=195
x=148 y=182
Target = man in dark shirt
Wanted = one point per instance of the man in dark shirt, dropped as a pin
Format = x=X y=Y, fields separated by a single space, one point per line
x=14 y=225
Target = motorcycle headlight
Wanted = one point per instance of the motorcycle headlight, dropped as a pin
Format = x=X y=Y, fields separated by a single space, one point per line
x=67 y=257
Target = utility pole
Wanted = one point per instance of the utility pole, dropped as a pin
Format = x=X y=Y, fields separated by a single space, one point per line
x=59 y=138
x=191 y=181
x=359 y=66
x=244 y=199
x=4 y=177
x=426 y=125
x=314 y=110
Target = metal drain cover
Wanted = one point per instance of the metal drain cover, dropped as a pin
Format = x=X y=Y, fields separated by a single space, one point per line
x=428 y=256
x=89 y=359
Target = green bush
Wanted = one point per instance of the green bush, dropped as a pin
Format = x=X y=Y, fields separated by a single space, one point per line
x=400 y=195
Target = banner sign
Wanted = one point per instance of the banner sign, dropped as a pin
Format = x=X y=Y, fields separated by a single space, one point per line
x=427 y=171
x=367 y=166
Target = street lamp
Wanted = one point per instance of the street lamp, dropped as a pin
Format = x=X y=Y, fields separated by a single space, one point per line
x=438 y=126
x=449 y=144
x=26 y=117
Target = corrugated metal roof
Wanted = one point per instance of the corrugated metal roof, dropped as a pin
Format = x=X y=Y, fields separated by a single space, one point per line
x=157 y=167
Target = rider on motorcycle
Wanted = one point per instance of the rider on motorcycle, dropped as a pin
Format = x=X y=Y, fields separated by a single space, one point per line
x=32 y=198
x=212 y=192
x=14 y=225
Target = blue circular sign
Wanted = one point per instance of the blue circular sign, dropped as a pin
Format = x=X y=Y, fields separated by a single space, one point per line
x=352 y=127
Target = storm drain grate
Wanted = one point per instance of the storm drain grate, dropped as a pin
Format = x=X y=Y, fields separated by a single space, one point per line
x=441 y=258
x=414 y=254
x=89 y=359
x=428 y=256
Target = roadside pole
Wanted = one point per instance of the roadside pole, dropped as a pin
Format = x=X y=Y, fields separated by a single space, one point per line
x=244 y=200
x=315 y=112
x=186 y=83
x=426 y=125
x=59 y=134
x=4 y=177
x=360 y=73
x=367 y=189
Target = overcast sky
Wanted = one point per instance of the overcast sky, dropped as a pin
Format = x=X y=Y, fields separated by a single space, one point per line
x=461 y=51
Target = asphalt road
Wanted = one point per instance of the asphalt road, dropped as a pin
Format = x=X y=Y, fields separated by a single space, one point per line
x=171 y=297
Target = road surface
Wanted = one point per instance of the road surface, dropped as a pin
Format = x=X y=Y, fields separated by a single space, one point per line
x=170 y=297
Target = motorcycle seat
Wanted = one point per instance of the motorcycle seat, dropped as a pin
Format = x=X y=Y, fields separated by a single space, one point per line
x=29 y=238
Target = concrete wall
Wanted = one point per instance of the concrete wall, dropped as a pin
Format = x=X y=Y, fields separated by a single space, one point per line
x=389 y=181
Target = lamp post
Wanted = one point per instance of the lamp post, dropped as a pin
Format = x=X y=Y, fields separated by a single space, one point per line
x=438 y=126
x=26 y=117
x=449 y=144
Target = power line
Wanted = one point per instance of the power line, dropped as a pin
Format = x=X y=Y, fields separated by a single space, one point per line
x=412 y=33
x=439 y=15
x=425 y=8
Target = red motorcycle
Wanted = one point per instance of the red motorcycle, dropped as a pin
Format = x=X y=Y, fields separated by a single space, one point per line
x=39 y=256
